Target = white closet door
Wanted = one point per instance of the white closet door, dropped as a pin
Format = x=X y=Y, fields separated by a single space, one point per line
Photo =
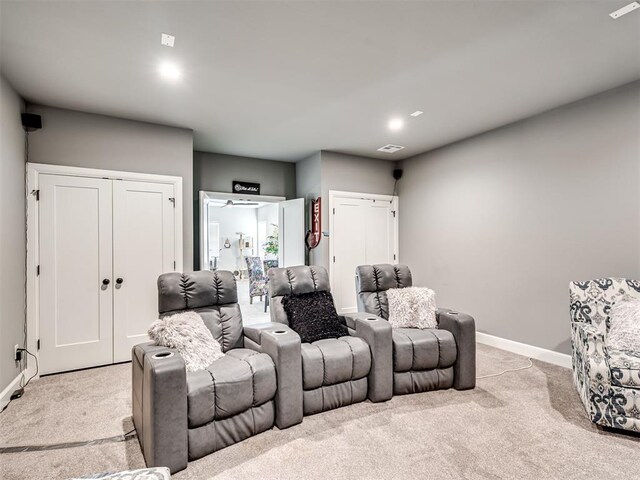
x=291 y=222
x=144 y=248
x=380 y=236
x=349 y=250
x=75 y=265
x=363 y=232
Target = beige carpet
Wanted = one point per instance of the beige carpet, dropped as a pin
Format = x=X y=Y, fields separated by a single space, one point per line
x=523 y=425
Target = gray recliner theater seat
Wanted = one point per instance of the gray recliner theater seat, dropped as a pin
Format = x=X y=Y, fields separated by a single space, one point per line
x=338 y=371
x=181 y=416
x=423 y=359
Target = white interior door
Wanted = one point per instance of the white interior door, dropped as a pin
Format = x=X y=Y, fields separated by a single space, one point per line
x=144 y=248
x=291 y=223
x=380 y=233
x=349 y=250
x=75 y=259
x=364 y=231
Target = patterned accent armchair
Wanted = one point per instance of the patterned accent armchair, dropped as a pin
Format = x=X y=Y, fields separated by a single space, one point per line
x=608 y=380
x=257 y=279
x=268 y=265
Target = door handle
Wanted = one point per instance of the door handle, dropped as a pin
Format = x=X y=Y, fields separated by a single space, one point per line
x=106 y=282
x=119 y=281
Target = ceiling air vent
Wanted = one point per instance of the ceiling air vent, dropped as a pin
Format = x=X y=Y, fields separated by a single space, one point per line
x=390 y=148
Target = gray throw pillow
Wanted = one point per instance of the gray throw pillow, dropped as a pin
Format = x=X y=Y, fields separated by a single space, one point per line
x=412 y=307
x=624 y=325
x=187 y=333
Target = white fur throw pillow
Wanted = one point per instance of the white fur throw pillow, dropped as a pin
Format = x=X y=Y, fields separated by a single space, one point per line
x=187 y=333
x=624 y=325
x=412 y=307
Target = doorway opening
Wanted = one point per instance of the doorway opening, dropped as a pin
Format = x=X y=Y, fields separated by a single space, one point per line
x=247 y=235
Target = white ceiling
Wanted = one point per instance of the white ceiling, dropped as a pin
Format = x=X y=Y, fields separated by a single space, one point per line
x=281 y=80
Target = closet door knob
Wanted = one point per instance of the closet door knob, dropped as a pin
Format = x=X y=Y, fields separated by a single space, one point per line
x=106 y=282
x=119 y=281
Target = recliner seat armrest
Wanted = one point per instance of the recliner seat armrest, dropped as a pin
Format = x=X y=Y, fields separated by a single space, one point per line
x=160 y=392
x=283 y=345
x=463 y=328
x=376 y=331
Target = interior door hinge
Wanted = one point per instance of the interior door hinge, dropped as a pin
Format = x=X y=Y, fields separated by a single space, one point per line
x=334 y=259
x=394 y=213
x=37 y=194
x=38 y=344
x=174 y=264
x=38 y=271
x=394 y=256
x=173 y=200
x=334 y=211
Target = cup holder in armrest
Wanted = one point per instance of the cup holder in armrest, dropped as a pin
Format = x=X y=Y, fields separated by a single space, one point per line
x=279 y=332
x=371 y=319
x=162 y=355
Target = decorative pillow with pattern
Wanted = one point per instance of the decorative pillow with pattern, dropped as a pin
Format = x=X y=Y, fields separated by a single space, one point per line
x=155 y=473
x=313 y=316
x=187 y=333
x=624 y=325
x=412 y=307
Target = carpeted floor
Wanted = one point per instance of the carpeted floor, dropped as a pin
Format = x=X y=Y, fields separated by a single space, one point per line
x=522 y=425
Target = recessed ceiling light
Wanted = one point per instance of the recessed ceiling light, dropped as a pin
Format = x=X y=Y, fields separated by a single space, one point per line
x=390 y=148
x=167 y=40
x=395 y=124
x=624 y=10
x=417 y=113
x=169 y=71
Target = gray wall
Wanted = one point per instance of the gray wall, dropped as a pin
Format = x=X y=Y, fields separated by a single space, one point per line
x=309 y=186
x=97 y=141
x=500 y=223
x=348 y=173
x=215 y=172
x=12 y=231
x=351 y=173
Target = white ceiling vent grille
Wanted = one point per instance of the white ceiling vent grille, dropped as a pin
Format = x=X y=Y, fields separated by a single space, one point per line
x=624 y=10
x=390 y=148
x=167 y=40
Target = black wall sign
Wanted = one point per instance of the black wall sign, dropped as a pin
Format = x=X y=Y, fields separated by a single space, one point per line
x=246 y=187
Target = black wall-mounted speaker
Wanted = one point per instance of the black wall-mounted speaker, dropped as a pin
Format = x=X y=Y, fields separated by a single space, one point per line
x=397 y=173
x=31 y=122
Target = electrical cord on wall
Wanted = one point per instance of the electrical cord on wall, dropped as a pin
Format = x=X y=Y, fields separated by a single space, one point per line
x=37 y=367
x=507 y=371
x=22 y=361
x=20 y=391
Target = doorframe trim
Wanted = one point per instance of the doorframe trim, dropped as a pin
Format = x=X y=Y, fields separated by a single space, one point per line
x=34 y=170
x=206 y=194
x=335 y=194
x=239 y=196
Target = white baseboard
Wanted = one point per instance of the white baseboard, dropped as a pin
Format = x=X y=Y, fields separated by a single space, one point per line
x=542 y=354
x=6 y=393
